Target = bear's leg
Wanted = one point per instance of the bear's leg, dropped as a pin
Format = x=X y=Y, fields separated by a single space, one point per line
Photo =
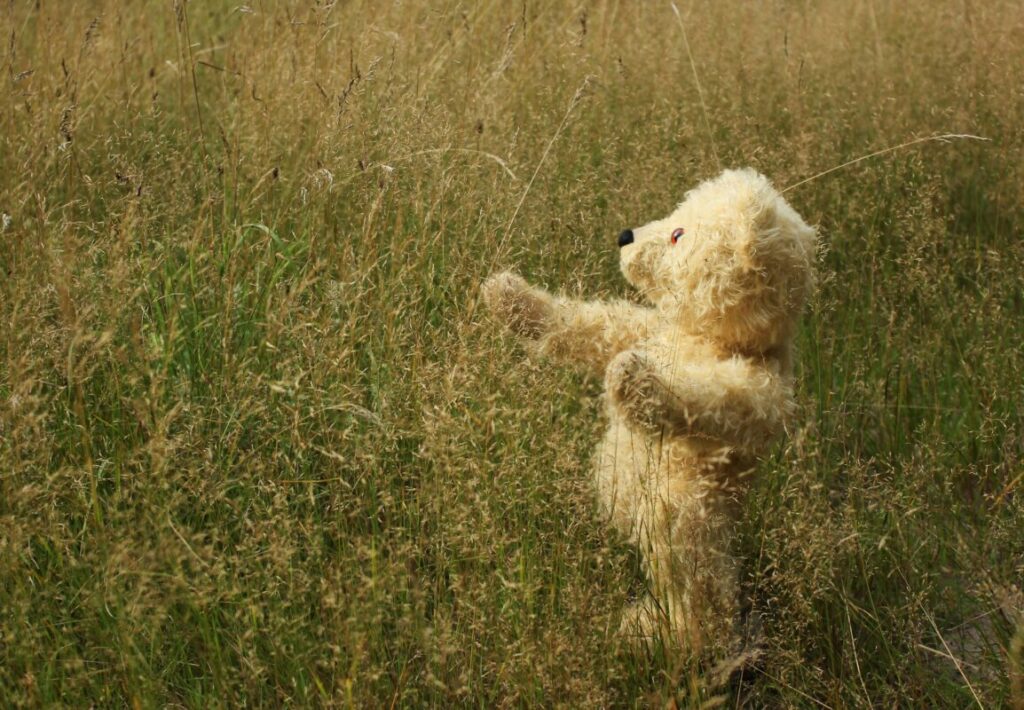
x=693 y=572
x=620 y=463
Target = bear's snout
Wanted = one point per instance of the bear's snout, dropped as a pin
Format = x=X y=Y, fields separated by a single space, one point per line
x=626 y=237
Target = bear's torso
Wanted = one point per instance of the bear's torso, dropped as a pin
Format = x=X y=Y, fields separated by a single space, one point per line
x=644 y=480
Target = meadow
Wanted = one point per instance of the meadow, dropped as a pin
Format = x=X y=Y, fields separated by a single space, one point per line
x=260 y=445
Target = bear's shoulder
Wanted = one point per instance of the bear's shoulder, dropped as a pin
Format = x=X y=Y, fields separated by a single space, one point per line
x=678 y=344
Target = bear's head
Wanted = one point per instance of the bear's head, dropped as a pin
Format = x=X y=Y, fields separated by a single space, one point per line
x=734 y=262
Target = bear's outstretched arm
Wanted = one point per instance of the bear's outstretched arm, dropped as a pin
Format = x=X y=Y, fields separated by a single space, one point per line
x=732 y=400
x=587 y=333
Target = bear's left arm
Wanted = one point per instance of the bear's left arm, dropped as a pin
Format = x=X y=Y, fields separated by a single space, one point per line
x=732 y=400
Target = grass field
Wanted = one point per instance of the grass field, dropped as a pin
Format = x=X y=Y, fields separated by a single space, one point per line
x=259 y=444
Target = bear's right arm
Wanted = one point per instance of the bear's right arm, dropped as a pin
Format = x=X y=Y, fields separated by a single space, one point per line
x=579 y=333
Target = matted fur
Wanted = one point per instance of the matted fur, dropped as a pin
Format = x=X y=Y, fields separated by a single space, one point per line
x=697 y=384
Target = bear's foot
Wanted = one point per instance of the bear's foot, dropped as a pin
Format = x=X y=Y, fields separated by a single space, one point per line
x=646 y=622
x=642 y=622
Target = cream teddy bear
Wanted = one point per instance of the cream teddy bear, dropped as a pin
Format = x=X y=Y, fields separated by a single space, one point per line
x=697 y=385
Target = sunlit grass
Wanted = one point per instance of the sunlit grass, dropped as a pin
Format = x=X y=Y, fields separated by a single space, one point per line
x=258 y=443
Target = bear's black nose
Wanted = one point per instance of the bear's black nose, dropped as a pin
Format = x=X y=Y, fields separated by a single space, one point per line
x=625 y=238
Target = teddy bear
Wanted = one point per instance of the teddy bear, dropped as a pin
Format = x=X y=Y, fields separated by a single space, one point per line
x=698 y=383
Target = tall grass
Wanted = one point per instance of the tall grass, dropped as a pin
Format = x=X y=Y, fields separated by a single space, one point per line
x=259 y=445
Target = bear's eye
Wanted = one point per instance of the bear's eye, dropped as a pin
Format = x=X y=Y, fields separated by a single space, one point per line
x=677 y=234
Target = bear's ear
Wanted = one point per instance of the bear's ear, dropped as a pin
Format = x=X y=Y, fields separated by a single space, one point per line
x=780 y=242
x=761 y=225
x=736 y=203
x=759 y=269
x=753 y=233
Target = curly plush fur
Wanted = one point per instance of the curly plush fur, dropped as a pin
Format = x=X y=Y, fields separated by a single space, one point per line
x=697 y=385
